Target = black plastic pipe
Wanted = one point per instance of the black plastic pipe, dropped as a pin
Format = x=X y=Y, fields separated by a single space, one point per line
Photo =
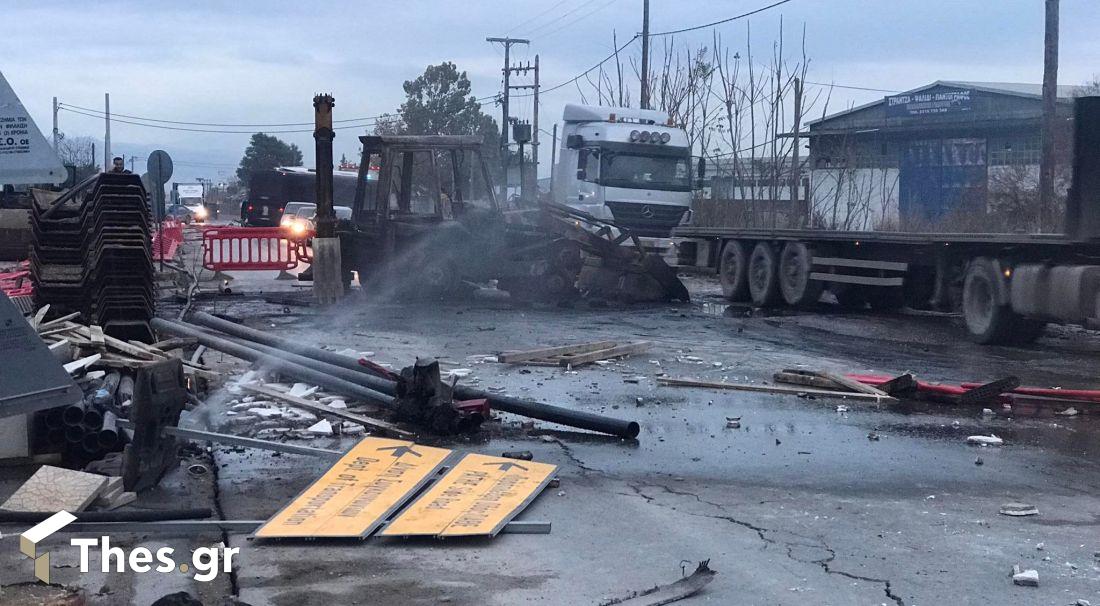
x=527 y=408
x=277 y=364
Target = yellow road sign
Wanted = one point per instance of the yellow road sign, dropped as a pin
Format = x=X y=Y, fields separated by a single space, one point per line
x=357 y=493
x=478 y=496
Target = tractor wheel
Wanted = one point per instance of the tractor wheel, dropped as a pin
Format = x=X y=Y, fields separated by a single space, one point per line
x=764 y=275
x=733 y=271
x=795 y=264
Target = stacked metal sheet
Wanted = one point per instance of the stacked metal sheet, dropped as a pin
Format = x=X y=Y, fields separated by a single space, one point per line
x=92 y=255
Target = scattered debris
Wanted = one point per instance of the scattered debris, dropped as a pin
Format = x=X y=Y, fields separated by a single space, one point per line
x=733 y=422
x=52 y=489
x=990 y=440
x=574 y=355
x=979 y=461
x=667 y=594
x=1069 y=412
x=1019 y=509
x=842 y=408
x=520 y=455
x=873 y=436
x=772 y=389
x=322 y=427
x=1026 y=578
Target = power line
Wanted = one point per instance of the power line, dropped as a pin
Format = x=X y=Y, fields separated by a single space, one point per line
x=727 y=20
x=584 y=16
x=587 y=71
x=560 y=17
x=88 y=109
x=204 y=130
x=526 y=21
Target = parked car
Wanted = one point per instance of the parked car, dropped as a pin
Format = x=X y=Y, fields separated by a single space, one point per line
x=180 y=213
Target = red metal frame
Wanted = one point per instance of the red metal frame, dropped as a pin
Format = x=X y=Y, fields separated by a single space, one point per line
x=248 y=248
x=167 y=239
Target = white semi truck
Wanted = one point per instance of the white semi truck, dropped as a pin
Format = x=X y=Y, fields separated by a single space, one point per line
x=631 y=166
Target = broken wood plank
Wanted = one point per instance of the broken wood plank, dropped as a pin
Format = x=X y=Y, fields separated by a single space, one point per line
x=511 y=357
x=37 y=320
x=667 y=594
x=604 y=354
x=58 y=321
x=801 y=378
x=848 y=395
x=333 y=412
x=85 y=362
x=96 y=336
x=852 y=384
x=899 y=385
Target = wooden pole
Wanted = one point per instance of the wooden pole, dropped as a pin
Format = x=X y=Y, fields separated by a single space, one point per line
x=1050 y=110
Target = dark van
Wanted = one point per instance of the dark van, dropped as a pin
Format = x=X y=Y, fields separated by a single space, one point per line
x=269 y=191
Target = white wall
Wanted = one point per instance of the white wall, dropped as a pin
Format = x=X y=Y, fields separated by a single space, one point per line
x=855 y=198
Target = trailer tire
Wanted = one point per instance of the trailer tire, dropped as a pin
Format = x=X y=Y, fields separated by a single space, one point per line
x=764 y=275
x=733 y=271
x=795 y=265
x=988 y=321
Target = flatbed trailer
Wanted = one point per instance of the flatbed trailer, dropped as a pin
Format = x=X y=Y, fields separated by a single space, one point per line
x=1006 y=286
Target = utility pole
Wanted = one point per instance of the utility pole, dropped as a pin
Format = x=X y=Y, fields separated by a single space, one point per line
x=1050 y=111
x=553 y=154
x=796 y=178
x=107 y=132
x=504 y=122
x=328 y=279
x=55 y=131
x=645 y=55
x=535 y=137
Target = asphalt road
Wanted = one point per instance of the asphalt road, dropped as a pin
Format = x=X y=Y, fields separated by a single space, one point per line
x=797 y=506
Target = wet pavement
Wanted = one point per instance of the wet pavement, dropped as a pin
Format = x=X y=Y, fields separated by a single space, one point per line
x=797 y=506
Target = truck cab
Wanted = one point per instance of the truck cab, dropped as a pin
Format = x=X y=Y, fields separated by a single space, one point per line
x=630 y=166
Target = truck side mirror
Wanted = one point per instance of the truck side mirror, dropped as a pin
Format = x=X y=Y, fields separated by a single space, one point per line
x=582 y=164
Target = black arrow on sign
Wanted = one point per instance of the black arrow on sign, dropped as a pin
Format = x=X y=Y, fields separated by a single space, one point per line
x=506 y=465
x=400 y=450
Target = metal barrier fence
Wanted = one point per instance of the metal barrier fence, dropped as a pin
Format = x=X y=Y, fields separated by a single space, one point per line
x=248 y=248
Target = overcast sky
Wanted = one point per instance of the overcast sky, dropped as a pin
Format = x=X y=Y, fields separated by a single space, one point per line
x=261 y=61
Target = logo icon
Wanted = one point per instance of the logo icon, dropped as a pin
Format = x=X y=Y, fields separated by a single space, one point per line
x=647 y=212
x=29 y=540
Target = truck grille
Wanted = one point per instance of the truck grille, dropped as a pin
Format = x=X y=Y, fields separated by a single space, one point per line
x=651 y=220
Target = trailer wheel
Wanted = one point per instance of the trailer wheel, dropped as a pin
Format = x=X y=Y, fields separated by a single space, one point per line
x=987 y=321
x=795 y=264
x=733 y=271
x=764 y=275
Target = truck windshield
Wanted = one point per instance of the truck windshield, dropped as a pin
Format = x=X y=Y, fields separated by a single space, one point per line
x=637 y=171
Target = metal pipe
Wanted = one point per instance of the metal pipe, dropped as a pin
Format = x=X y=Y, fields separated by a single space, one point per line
x=52 y=418
x=73 y=415
x=277 y=364
x=91 y=442
x=138 y=515
x=528 y=408
x=108 y=433
x=74 y=434
x=93 y=419
x=284 y=345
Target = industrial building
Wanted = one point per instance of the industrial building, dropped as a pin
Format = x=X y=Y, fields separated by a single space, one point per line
x=935 y=157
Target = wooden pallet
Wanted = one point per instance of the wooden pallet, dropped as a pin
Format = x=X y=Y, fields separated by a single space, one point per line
x=574 y=355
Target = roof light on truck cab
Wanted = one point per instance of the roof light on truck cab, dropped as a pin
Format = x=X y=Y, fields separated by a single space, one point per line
x=666 y=137
x=644 y=137
x=634 y=134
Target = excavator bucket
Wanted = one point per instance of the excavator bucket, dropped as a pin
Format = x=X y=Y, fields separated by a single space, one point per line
x=617 y=266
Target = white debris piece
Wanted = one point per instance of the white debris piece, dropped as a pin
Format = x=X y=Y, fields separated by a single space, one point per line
x=842 y=408
x=458 y=372
x=337 y=404
x=301 y=390
x=321 y=427
x=1069 y=412
x=1027 y=578
x=986 y=412
x=351 y=429
x=1019 y=509
x=990 y=440
x=266 y=412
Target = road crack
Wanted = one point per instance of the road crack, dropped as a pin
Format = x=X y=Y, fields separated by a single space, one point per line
x=762 y=532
